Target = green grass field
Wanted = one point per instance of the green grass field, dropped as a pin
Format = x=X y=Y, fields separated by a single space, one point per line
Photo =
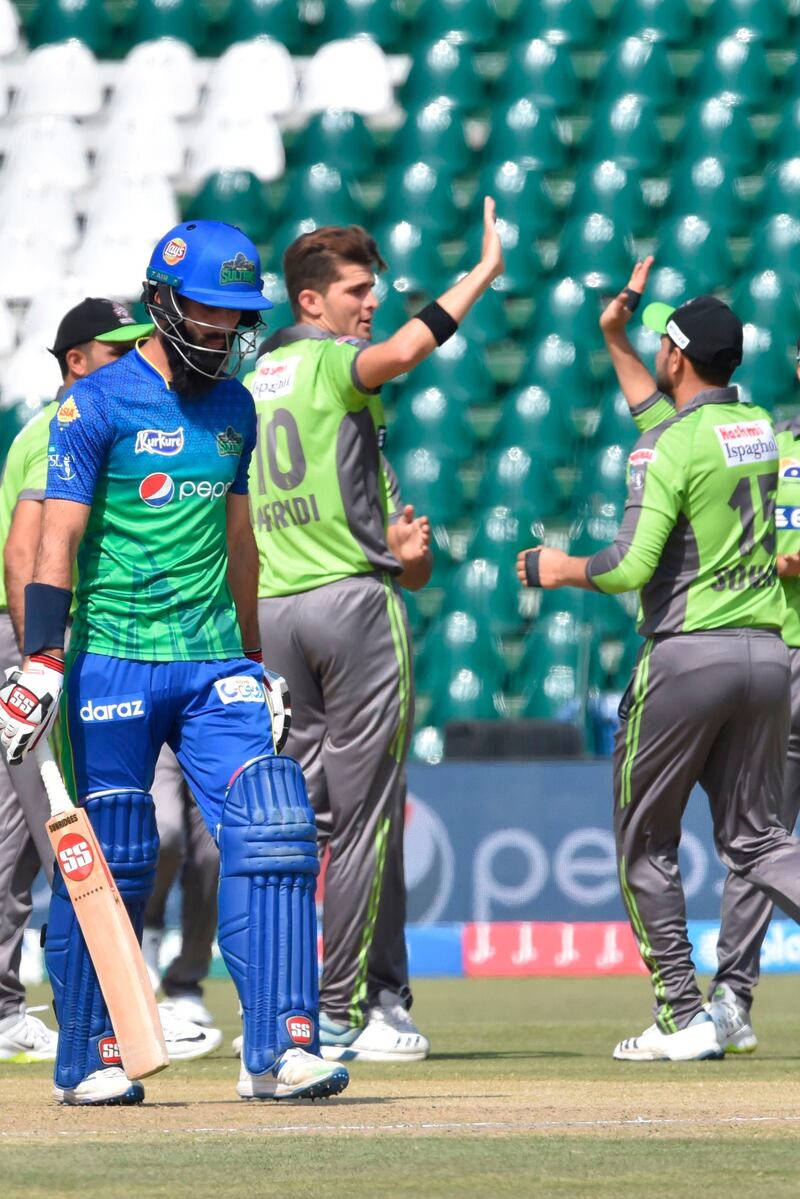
x=520 y=1098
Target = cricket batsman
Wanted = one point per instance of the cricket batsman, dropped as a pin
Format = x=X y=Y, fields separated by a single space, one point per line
x=164 y=648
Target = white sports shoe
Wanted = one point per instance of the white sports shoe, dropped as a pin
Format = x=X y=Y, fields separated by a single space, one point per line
x=24 y=1038
x=109 y=1087
x=236 y=1045
x=189 y=1007
x=732 y=1019
x=697 y=1042
x=296 y=1075
x=389 y=1035
x=186 y=1041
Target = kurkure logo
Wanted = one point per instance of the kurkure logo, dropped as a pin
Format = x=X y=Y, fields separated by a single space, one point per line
x=237 y=270
x=229 y=442
x=174 y=251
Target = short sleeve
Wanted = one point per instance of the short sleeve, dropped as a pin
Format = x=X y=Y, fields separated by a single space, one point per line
x=340 y=368
x=80 y=438
x=34 y=466
x=239 y=484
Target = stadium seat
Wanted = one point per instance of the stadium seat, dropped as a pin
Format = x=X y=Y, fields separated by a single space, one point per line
x=258 y=75
x=319 y=192
x=670 y=20
x=432 y=484
x=456 y=642
x=236 y=197
x=392 y=313
x=430 y=417
x=236 y=141
x=118 y=255
x=786 y=138
x=279 y=19
x=9 y=29
x=768 y=299
x=639 y=65
x=627 y=131
x=565 y=21
x=528 y=133
x=500 y=534
x=31 y=376
x=522 y=196
x=377 y=19
x=8 y=332
x=132 y=144
x=284 y=234
x=61 y=20
x=769 y=17
x=173 y=64
x=596 y=527
x=471 y=22
x=44 y=150
x=609 y=188
x=719 y=127
x=615 y=424
x=537 y=420
x=559 y=366
x=593 y=252
x=487 y=322
x=738 y=65
x=434 y=134
x=489 y=591
x=514 y=478
x=181 y=19
x=707 y=187
x=767 y=374
x=459 y=368
x=541 y=71
x=60 y=80
x=781 y=187
x=415 y=265
x=337 y=137
x=443 y=70
x=35 y=209
x=351 y=74
x=553 y=669
x=699 y=247
x=422 y=194
x=606 y=615
x=521 y=263
x=149 y=206
x=467 y=696
x=604 y=474
x=776 y=243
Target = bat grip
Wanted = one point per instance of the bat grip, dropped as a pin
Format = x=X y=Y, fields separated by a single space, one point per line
x=57 y=793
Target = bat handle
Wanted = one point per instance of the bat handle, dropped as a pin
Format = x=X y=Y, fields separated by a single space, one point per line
x=57 y=793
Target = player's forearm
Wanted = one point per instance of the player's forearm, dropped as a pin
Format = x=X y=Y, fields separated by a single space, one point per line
x=571 y=572
x=63 y=525
x=243 y=584
x=19 y=565
x=635 y=380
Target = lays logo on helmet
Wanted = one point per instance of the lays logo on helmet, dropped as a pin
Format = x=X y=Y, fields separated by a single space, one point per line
x=174 y=251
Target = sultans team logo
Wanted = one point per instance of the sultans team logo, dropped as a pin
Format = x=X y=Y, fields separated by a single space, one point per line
x=238 y=270
x=229 y=443
x=156 y=490
x=156 y=441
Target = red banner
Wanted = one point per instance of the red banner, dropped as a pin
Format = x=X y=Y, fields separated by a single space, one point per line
x=530 y=948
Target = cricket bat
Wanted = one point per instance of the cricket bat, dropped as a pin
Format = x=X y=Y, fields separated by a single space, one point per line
x=106 y=927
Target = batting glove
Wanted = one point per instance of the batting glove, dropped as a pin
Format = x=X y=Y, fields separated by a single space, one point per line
x=29 y=705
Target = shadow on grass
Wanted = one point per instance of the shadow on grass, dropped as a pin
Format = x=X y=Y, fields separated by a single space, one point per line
x=504 y=1055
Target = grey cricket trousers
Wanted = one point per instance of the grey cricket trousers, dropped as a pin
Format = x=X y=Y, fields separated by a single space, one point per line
x=186 y=849
x=747 y=911
x=344 y=650
x=24 y=849
x=712 y=708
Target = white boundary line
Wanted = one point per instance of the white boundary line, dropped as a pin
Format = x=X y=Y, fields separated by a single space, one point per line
x=421 y=1126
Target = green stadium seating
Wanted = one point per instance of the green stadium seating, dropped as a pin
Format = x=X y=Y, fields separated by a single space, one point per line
x=487 y=322
x=489 y=591
x=592 y=250
x=671 y=285
x=434 y=134
x=280 y=19
x=767 y=371
x=522 y=196
x=180 y=19
x=60 y=20
x=513 y=478
x=786 y=138
x=769 y=17
x=603 y=476
x=472 y=22
x=541 y=71
x=627 y=130
x=570 y=310
x=566 y=21
x=500 y=534
x=456 y=642
x=609 y=188
x=670 y=20
x=605 y=615
x=415 y=265
x=529 y=134
x=781 y=187
x=380 y=19
x=422 y=194
x=738 y=64
x=236 y=197
x=709 y=188
x=284 y=234
x=719 y=127
x=430 y=417
x=639 y=64
x=443 y=69
x=318 y=192
x=537 y=420
x=615 y=426
x=431 y=483
x=391 y=314
x=338 y=138
x=597 y=527
x=553 y=668
x=560 y=367
x=776 y=243
x=521 y=262
x=769 y=299
x=460 y=369
x=467 y=696
x=699 y=247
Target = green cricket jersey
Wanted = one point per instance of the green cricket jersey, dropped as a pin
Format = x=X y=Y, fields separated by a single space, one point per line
x=698 y=537
x=24 y=475
x=320 y=491
x=787 y=520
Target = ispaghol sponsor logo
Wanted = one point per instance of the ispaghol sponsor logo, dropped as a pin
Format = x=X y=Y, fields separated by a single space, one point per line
x=119 y=707
x=746 y=442
x=157 y=490
x=240 y=689
x=159 y=441
x=275 y=378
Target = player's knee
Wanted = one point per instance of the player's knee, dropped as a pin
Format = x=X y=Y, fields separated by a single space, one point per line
x=268 y=824
x=125 y=823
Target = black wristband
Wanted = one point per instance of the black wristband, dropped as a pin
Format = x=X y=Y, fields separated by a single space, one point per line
x=46 y=615
x=532 y=568
x=632 y=299
x=441 y=323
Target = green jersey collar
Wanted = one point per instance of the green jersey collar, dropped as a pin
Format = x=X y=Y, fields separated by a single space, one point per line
x=714 y=395
x=292 y=333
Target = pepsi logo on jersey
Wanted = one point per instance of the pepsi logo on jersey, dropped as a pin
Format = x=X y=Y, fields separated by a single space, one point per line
x=158 y=489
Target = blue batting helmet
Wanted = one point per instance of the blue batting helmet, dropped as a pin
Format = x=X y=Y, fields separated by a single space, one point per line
x=212 y=263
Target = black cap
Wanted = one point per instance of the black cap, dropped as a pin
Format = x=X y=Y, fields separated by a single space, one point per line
x=97 y=320
x=707 y=331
